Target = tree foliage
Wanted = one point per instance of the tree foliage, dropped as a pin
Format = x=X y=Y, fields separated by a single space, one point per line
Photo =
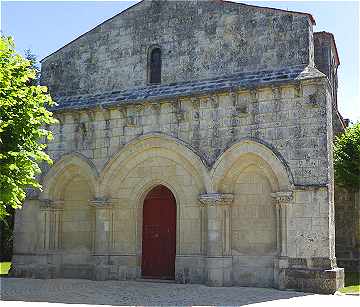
x=23 y=116
x=34 y=66
x=347 y=158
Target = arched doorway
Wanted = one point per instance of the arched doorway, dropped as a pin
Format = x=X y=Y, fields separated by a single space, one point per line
x=159 y=234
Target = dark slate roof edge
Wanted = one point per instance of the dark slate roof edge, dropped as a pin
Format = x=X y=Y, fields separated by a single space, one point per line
x=185 y=89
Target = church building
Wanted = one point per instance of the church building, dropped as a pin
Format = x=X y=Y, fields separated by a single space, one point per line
x=194 y=144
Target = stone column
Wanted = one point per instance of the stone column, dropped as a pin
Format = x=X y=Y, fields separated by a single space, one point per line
x=51 y=217
x=219 y=259
x=103 y=230
x=282 y=200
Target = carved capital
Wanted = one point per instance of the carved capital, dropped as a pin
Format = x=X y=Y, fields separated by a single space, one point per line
x=48 y=204
x=216 y=199
x=101 y=203
x=283 y=197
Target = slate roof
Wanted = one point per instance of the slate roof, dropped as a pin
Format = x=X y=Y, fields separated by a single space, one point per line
x=183 y=89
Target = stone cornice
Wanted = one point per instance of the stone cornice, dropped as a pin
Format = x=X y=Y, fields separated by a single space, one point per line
x=216 y=199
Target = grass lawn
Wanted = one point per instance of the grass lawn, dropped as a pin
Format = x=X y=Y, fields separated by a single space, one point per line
x=352 y=283
x=4 y=267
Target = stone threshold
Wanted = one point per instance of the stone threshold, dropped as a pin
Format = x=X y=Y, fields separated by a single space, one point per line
x=155 y=280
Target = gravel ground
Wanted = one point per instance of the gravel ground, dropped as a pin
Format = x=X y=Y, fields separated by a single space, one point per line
x=77 y=291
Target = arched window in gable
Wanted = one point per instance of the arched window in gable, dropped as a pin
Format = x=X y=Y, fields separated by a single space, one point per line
x=155 y=66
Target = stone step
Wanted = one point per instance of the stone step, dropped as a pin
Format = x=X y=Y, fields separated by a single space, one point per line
x=167 y=281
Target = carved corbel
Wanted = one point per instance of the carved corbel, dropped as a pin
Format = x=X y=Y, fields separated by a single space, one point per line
x=233 y=96
x=254 y=95
x=156 y=107
x=195 y=101
x=214 y=100
x=297 y=91
x=179 y=112
x=276 y=92
x=180 y=115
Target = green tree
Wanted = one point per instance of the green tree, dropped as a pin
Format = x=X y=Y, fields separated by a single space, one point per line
x=33 y=65
x=347 y=158
x=23 y=116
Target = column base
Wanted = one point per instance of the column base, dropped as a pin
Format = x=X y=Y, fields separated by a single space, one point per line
x=312 y=280
x=219 y=271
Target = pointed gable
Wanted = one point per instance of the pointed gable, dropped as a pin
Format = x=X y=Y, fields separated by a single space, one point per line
x=197 y=40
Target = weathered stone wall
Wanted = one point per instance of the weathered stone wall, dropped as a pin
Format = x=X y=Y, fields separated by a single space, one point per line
x=276 y=137
x=326 y=59
x=199 y=39
x=291 y=119
x=347 y=218
x=247 y=158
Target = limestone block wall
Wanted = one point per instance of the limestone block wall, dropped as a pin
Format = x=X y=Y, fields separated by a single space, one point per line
x=291 y=119
x=347 y=218
x=309 y=225
x=198 y=39
x=250 y=171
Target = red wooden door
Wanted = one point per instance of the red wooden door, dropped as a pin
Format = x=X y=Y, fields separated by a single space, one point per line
x=159 y=234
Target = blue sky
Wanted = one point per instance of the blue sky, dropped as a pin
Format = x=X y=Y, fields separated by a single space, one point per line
x=45 y=26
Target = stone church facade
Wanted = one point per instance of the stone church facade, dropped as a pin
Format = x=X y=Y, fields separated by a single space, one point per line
x=194 y=143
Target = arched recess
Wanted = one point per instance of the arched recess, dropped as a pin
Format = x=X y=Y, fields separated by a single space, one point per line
x=70 y=185
x=275 y=163
x=251 y=172
x=143 y=164
x=68 y=167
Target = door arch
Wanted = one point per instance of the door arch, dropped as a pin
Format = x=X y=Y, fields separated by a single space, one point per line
x=159 y=234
